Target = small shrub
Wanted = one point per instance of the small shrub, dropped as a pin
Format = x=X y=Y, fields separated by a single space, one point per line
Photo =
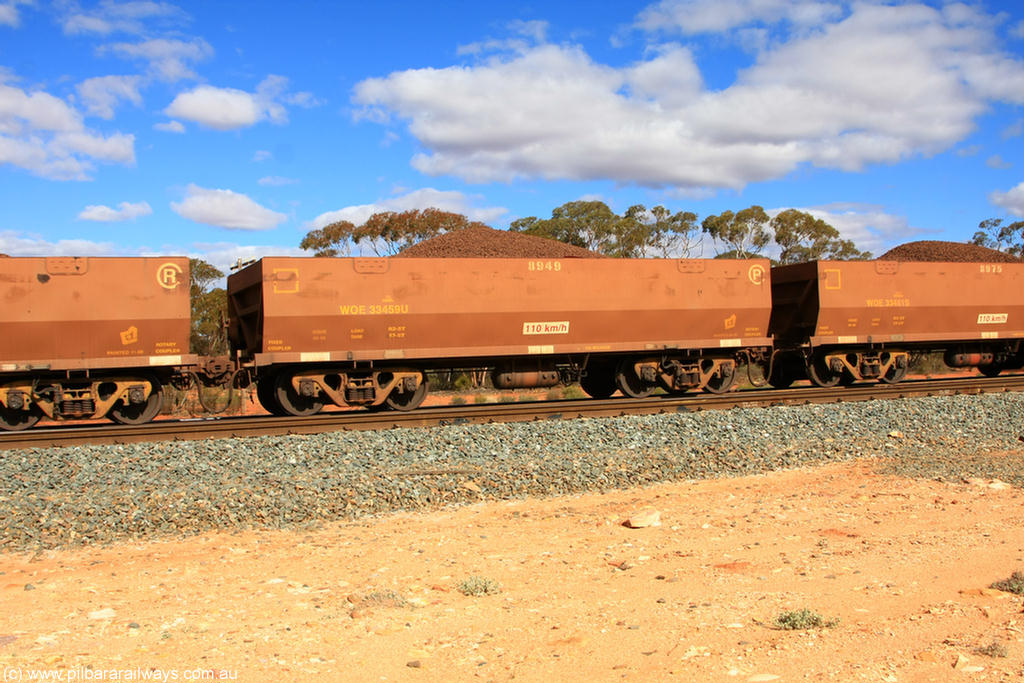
x=553 y=394
x=478 y=585
x=384 y=598
x=458 y=400
x=573 y=391
x=527 y=398
x=802 y=619
x=507 y=398
x=1014 y=584
x=463 y=382
x=927 y=364
x=994 y=649
x=480 y=398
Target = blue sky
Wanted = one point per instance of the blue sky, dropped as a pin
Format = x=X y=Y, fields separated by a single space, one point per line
x=227 y=130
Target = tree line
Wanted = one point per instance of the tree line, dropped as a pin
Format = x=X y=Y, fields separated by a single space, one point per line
x=797 y=236
x=638 y=233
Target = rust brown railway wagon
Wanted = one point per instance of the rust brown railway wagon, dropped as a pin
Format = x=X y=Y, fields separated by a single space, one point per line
x=90 y=337
x=363 y=331
x=850 y=320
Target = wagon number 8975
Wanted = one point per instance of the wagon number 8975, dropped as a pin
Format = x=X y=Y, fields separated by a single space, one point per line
x=545 y=265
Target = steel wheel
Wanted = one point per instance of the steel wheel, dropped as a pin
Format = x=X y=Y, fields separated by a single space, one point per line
x=893 y=375
x=821 y=374
x=17 y=420
x=721 y=383
x=139 y=413
x=599 y=381
x=267 y=397
x=408 y=400
x=990 y=370
x=630 y=384
x=289 y=400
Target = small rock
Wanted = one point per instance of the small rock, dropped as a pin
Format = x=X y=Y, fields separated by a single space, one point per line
x=643 y=518
x=961 y=662
x=414 y=664
x=896 y=434
x=105 y=613
x=29 y=587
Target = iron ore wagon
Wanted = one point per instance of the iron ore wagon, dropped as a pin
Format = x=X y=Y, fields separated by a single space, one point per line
x=359 y=331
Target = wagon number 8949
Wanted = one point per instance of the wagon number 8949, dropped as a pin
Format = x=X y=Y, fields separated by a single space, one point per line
x=545 y=265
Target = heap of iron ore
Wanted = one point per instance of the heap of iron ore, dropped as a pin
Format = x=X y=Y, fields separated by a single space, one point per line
x=937 y=250
x=484 y=242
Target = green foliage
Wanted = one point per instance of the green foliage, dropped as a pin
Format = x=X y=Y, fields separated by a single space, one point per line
x=639 y=233
x=1014 y=584
x=477 y=586
x=480 y=399
x=657 y=232
x=458 y=400
x=802 y=238
x=802 y=619
x=744 y=234
x=573 y=391
x=1006 y=238
x=994 y=649
x=927 y=364
x=209 y=309
x=463 y=382
x=587 y=224
x=385 y=233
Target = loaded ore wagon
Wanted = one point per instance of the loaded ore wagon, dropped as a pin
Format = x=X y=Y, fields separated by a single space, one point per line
x=852 y=320
x=90 y=337
x=363 y=331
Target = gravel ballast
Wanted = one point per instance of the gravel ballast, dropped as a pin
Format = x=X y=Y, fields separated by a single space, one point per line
x=71 y=496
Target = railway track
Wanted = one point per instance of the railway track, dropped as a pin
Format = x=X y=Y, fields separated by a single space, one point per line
x=227 y=427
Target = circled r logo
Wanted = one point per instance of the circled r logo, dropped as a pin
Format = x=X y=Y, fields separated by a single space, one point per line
x=756 y=274
x=168 y=275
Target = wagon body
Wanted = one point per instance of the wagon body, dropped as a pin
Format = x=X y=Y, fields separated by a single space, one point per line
x=301 y=310
x=92 y=313
x=896 y=302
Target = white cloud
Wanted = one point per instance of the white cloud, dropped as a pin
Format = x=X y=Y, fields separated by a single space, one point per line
x=113 y=17
x=15 y=243
x=996 y=161
x=226 y=209
x=170 y=127
x=1018 y=30
x=43 y=134
x=228 y=108
x=169 y=60
x=1012 y=200
x=276 y=181
x=713 y=16
x=426 y=198
x=9 y=14
x=880 y=85
x=1014 y=130
x=262 y=155
x=103 y=93
x=125 y=211
x=226 y=255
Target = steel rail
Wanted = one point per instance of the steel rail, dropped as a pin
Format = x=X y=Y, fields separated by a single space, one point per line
x=231 y=427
